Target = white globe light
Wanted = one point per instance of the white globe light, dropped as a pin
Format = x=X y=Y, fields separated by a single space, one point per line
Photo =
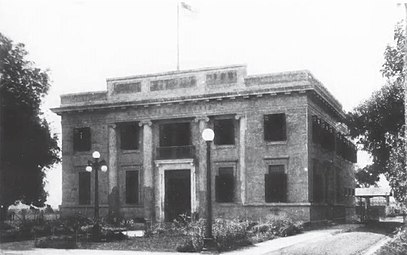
x=208 y=135
x=96 y=154
x=88 y=168
x=103 y=168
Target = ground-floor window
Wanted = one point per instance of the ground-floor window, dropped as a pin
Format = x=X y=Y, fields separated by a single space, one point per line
x=132 y=187
x=225 y=185
x=275 y=184
x=84 y=188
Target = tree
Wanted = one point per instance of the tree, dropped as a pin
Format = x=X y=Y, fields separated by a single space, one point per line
x=27 y=149
x=378 y=123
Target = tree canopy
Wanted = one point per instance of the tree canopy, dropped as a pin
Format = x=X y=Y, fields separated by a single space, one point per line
x=27 y=148
x=378 y=123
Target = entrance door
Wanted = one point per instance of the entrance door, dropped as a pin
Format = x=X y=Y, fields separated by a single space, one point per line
x=177 y=193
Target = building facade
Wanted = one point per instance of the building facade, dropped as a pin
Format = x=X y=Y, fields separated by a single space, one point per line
x=279 y=147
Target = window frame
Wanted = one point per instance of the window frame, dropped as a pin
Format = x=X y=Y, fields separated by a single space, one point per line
x=77 y=145
x=215 y=141
x=281 y=196
x=266 y=135
x=227 y=164
x=89 y=198
x=138 y=198
x=123 y=125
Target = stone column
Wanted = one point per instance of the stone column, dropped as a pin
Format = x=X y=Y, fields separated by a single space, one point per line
x=201 y=153
x=113 y=198
x=242 y=156
x=148 y=188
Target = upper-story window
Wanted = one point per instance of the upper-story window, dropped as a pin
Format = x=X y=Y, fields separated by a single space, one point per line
x=81 y=139
x=225 y=185
x=275 y=127
x=129 y=136
x=224 y=131
x=275 y=184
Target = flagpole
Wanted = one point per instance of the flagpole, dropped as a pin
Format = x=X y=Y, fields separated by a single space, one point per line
x=178 y=36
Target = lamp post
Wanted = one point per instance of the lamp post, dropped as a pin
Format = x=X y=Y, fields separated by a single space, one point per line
x=96 y=165
x=209 y=245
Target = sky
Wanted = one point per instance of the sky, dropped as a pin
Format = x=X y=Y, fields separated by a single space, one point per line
x=84 y=42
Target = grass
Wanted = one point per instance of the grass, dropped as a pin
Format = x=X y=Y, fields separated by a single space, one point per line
x=153 y=243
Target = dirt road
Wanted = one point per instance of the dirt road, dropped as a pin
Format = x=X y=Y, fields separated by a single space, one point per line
x=357 y=241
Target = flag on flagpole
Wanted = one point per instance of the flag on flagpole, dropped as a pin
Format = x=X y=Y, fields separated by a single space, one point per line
x=186 y=6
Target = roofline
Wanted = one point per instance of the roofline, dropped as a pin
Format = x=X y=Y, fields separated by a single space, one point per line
x=243 y=94
x=174 y=72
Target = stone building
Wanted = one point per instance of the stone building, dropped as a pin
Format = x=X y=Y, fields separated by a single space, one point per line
x=279 y=148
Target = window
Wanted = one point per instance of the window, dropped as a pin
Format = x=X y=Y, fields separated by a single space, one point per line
x=129 y=136
x=274 y=127
x=132 y=187
x=81 y=139
x=84 y=188
x=225 y=185
x=224 y=131
x=175 y=134
x=338 y=186
x=318 y=189
x=275 y=184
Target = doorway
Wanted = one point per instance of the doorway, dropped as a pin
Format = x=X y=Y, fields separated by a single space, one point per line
x=177 y=199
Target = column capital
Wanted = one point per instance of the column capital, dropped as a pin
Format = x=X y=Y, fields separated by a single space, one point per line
x=145 y=122
x=112 y=125
x=239 y=116
x=199 y=118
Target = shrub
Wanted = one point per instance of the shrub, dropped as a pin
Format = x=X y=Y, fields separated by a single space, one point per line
x=228 y=234
x=274 y=226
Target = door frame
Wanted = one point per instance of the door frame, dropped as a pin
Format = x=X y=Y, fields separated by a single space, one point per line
x=168 y=165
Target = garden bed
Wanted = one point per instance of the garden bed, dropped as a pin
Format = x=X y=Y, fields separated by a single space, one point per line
x=183 y=236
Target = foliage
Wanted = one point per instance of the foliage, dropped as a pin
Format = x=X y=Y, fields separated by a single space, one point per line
x=378 y=122
x=27 y=148
x=231 y=234
x=397 y=246
x=274 y=226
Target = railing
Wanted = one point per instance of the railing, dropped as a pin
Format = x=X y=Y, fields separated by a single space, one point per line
x=176 y=152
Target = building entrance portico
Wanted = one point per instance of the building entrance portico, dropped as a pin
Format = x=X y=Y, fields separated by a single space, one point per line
x=175 y=178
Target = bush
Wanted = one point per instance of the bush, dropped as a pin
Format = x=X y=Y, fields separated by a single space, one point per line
x=274 y=226
x=228 y=234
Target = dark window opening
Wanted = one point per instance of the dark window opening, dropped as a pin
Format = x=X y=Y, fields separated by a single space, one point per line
x=275 y=127
x=339 y=187
x=84 y=188
x=175 y=141
x=275 y=184
x=132 y=187
x=224 y=131
x=129 y=136
x=225 y=185
x=318 y=190
x=81 y=139
x=175 y=134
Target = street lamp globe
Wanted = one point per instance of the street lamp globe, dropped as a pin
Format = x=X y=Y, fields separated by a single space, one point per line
x=88 y=169
x=103 y=168
x=96 y=155
x=208 y=135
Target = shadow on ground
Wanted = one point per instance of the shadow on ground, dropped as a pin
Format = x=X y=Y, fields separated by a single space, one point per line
x=385 y=228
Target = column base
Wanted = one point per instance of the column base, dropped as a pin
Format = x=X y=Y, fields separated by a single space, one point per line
x=209 y=246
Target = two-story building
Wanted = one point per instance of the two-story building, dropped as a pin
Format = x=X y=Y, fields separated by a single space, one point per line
x=279 y=147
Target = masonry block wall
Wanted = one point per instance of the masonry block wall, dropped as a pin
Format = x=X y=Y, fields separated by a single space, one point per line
x=200 y=98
